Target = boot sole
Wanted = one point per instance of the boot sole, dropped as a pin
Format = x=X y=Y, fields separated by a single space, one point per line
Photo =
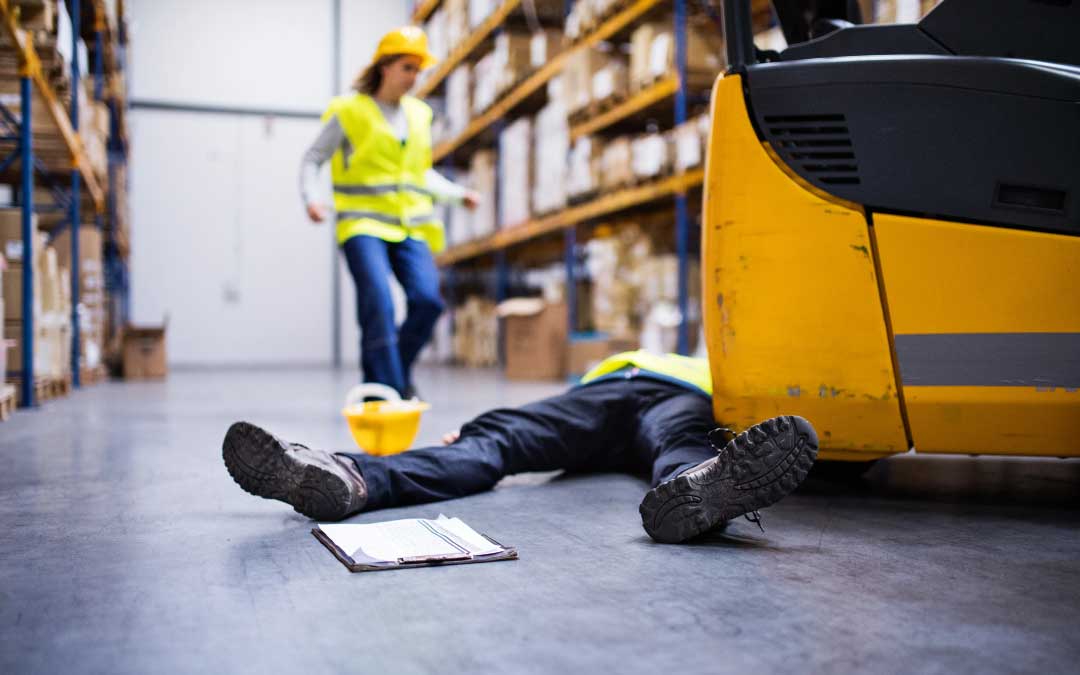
x=263 y=466
x=771 y=461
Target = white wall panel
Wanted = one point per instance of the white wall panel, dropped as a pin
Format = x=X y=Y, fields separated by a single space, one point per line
x=220 y=242
x=254 y=53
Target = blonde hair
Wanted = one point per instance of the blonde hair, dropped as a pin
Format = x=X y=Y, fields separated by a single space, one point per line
x=370 y=79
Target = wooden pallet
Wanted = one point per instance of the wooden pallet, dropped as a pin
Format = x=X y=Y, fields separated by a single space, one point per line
x=45 y=388
x=7 y=401
x=90 y=376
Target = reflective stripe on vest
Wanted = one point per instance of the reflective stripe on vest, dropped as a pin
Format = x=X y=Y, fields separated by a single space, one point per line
x=694 y=372
x=379 y=188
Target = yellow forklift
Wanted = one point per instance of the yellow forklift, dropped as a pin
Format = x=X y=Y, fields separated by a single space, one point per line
x=891 y=234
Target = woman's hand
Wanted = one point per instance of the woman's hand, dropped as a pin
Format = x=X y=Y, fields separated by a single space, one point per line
x=316 y=212
x=471 y=200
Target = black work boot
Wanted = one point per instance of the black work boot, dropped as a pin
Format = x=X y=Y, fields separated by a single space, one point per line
x=315 y=483
x=757 y=468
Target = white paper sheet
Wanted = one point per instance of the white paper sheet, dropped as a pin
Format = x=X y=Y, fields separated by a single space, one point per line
x=387 y=542
x=375 y=543
x=465 y=535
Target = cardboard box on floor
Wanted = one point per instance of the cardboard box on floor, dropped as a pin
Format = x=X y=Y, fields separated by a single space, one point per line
x=144 y=352
x=536 y=334
x=583 y=353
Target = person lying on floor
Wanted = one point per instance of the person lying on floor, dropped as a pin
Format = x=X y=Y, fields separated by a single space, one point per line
x=636 y=412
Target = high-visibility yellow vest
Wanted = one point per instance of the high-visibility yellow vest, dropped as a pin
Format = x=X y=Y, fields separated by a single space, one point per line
x=694 y=372
x=379 y=183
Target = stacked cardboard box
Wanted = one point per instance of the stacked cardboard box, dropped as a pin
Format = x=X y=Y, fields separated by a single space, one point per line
x=94 y=122
x=584 y=167
x=479 y=10
x=11 y=247
x=438 y=39
x=688 y=143
x=586 y=14
x=457 y=22
x=515 y=169
x=51 y=297
x=616 y=167
x=458 y=104
x=486 y=76
x=650 y=155
x=581 y=69
x=652 y=54
x=513 y=57
x=91 y=306
x=543 y=46
x=475 y=332
x=610 y=81
x=482 y=221
x=551 y=151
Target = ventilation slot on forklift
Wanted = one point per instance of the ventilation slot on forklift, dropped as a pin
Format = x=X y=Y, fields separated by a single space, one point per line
x=819 y=145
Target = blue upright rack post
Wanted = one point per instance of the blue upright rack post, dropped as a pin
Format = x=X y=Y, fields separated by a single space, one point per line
x=570 y=257
x=682 y=218
x=75 y=211
x=27 y=196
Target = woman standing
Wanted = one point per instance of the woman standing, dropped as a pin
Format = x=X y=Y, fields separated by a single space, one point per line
x=379 y=143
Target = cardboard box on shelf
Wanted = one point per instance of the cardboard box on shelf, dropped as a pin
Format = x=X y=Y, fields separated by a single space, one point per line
x=482 y=221
x=513 y=57
x=90 y=249
x=457 y=22
x=583 y=170
x=476 y=328
x=436 y=33
x=485 y=75
x=515 y=173
x=578 y=75
x=535 y=334
x=650 y=156
x=616 y=169
x=458 y=101
x=611 y=80
x=543 y=46
x=52 y=345
x=652 y=53
x=144 y=352
x=11 y=236
x=688 y=143
x=551 y=150
x=584 y=352
x=480 y=10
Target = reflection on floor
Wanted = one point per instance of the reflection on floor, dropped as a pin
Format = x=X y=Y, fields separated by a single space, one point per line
x=126 y=548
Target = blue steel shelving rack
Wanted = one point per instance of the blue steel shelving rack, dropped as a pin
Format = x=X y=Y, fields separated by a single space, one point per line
x=682 y=214
x=31 y=78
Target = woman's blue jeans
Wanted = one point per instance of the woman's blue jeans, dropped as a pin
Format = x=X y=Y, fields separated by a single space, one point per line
x=387 y=352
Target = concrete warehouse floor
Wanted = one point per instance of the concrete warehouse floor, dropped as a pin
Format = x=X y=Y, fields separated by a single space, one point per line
x=127 y=548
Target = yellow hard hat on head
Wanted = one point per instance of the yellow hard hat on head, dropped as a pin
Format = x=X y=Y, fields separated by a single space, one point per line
x=406 y=40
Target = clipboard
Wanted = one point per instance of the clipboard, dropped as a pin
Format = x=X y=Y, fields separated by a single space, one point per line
x=462 y=558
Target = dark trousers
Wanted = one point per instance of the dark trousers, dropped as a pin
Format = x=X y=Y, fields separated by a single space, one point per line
x=387 y=352
x=639 y=425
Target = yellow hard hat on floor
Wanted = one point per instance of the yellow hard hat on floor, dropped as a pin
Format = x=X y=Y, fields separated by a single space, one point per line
x=406 y=40
x=383 y=427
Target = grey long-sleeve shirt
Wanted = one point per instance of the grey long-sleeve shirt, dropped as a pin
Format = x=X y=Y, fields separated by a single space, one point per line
x=332 y=136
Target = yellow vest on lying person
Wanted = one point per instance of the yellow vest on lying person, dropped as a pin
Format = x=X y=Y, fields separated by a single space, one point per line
x=378 y=179
x=694 y=372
